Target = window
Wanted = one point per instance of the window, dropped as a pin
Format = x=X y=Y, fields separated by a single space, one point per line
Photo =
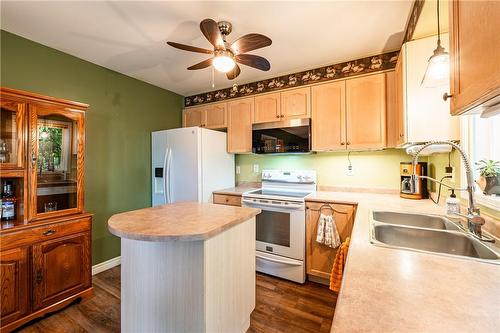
x=481 y=138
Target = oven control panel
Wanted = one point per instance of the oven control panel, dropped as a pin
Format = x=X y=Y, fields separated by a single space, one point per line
x=290 y=176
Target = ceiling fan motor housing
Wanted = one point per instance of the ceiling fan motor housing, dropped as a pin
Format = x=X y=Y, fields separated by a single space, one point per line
x=225 y=28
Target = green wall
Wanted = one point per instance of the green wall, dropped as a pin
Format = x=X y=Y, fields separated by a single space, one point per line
x=123 y=111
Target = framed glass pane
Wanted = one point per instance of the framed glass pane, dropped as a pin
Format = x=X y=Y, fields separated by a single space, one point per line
x=56 y=163
x=8 y=135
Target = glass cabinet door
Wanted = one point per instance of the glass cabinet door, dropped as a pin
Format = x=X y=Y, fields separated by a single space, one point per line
x=11 y=134
x=56 y=166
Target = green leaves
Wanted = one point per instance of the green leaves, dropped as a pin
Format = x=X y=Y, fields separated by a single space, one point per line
x=488 y=168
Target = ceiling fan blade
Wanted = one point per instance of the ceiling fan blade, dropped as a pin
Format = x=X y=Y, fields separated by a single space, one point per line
x=190 y=48
x=249 y=43
x=211 y=31
x=200 y=65
x=232 y=74
x=254 y=61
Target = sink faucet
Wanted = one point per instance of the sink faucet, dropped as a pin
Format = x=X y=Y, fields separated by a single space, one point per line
x=474 y=220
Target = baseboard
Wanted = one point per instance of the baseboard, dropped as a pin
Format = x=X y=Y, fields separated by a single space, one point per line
x=105 y=265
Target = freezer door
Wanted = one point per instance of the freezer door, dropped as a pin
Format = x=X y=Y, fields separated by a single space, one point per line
x=159 y=147
x=183 y=165
x=217 y=166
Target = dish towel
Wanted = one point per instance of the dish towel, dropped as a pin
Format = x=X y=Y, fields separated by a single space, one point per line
x=338 y=266
x=327 y=232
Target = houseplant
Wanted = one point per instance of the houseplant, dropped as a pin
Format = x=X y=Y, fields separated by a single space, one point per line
x=489 y=171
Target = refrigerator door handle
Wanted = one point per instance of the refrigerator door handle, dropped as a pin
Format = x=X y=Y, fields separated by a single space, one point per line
x=165 y=160
x=167 y=179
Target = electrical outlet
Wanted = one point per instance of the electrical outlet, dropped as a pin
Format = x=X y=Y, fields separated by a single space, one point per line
x=256 y=168
x=238 y=170
x=349 y=171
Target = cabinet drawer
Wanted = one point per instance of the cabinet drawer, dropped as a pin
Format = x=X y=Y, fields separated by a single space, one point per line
x=223 y=199
x=49 y=231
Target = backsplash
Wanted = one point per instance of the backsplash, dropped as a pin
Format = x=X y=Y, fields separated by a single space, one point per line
x=378 y=169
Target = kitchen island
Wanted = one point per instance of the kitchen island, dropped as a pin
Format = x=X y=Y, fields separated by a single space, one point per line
x=186 y=267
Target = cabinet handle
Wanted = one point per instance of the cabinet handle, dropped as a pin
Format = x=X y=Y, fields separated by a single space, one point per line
x=39 y=276
x=446 y=96
x=49 y=232
x=401 y=135
x=282 y=116
x=342 y=143
x=277 y=116
x=348 y=143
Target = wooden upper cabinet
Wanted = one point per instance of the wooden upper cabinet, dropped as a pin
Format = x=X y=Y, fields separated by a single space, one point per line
x=319 y=257
x=296 y=103
x=267 y=108
x=193 y=117
x=14 y=279
x=328 y=116
x=56 y=161
x=239 y=125
x=215 y=116
x=474 y=53
x=12 y=133
x=395 y=108
x=366 y=112
x=61 y=267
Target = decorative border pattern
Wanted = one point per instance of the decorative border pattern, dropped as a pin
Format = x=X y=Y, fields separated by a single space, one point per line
x=412 y=21
x=333 y=72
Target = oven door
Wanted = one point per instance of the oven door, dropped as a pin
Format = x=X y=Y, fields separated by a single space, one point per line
x=280 y=230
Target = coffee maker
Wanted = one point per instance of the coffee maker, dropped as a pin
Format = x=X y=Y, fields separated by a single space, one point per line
x=405 y=171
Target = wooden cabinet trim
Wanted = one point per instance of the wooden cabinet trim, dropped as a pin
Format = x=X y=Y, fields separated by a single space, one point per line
x=21 y=130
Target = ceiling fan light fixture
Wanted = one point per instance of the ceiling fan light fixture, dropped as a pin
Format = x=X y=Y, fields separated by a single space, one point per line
x=223 y=61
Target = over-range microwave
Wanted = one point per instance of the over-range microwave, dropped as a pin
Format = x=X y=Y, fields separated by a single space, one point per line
x=286 y=136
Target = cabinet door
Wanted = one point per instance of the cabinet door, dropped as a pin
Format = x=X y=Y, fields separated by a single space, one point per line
x=194 y=117
x=474 y=53
x=12 y=131
x=296 y=103
x=216 y=116
x=394 y=112
x=14 y=281
x=57 y=136
x=328 y=116
x=267 y=108
x=366 y=112
x=319 y=257
x=61 y=267
x=399 y=111
x=239 y=125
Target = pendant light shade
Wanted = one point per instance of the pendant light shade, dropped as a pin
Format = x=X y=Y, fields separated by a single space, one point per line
x=438 y=69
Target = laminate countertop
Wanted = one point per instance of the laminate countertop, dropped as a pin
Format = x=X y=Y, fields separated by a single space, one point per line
x=188 y=221
x=395 y=290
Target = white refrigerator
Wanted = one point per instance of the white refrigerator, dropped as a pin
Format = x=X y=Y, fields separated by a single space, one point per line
x=188 y=164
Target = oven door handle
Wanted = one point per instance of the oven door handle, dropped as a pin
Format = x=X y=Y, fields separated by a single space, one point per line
x=260 y=203
x=286 y=262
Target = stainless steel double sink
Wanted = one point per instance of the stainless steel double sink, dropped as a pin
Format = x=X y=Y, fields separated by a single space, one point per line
x=429 y=234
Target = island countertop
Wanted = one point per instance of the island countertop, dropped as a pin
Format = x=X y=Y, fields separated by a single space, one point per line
x=188 y=221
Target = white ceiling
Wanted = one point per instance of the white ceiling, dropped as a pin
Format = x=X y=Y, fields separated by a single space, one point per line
x=129 y=37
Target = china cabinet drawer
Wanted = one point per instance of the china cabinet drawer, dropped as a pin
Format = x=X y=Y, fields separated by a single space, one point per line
x=49 y=231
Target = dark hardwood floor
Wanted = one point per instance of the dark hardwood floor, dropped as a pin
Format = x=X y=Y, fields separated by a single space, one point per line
x=281 y=307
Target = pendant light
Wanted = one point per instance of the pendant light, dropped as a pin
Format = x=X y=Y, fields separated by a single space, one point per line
x=438 y=69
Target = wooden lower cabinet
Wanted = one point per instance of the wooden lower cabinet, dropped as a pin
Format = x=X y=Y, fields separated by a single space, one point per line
x=43 y=269
x=227 y=199
x=319 y=257
x=14 y=279
x=61 y=267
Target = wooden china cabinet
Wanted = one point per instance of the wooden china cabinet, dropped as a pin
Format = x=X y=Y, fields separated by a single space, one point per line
x=45 y=242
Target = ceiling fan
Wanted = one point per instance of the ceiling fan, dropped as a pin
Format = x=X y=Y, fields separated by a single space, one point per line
x=226 y=55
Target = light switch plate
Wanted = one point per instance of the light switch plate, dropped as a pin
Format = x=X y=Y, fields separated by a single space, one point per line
x=238 y=170
x=256 y=168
